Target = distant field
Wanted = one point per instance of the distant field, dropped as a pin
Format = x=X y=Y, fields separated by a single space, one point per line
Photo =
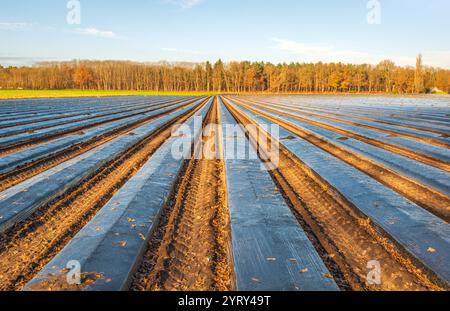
x=19 y=94
x=28 y=94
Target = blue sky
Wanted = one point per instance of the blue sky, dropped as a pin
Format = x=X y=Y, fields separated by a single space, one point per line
x=199 y=30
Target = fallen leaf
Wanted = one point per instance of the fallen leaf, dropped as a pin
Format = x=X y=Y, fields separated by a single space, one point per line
x=327 y=275
x=288 y=138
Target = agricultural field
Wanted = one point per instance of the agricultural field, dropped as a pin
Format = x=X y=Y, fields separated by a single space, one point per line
x=248 y=193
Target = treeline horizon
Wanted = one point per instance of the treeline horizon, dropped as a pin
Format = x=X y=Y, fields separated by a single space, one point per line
x=231 y=77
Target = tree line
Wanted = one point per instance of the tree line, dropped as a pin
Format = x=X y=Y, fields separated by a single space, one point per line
x=232 y=77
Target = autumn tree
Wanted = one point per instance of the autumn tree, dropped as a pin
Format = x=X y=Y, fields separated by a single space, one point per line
x=82 y=76
x=443 y=80
x=418 y=76
x=245 y=76
x=208 y=76
x=218 y=76
x=386 y=69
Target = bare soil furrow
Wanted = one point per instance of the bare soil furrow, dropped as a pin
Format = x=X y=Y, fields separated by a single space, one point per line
x=8 y=149
x=430 y=141
x=191 y=250
x=31 y=244
x=375 y=121
x=412 y=154
x=90 y=116
x=34 y=168
x=350 y=240
x=433 y=201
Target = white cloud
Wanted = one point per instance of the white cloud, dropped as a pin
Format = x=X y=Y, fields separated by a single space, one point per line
x=6 y=60
x=182 y=51
x=92 y=31
x=15 y=26
x=316 y=53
